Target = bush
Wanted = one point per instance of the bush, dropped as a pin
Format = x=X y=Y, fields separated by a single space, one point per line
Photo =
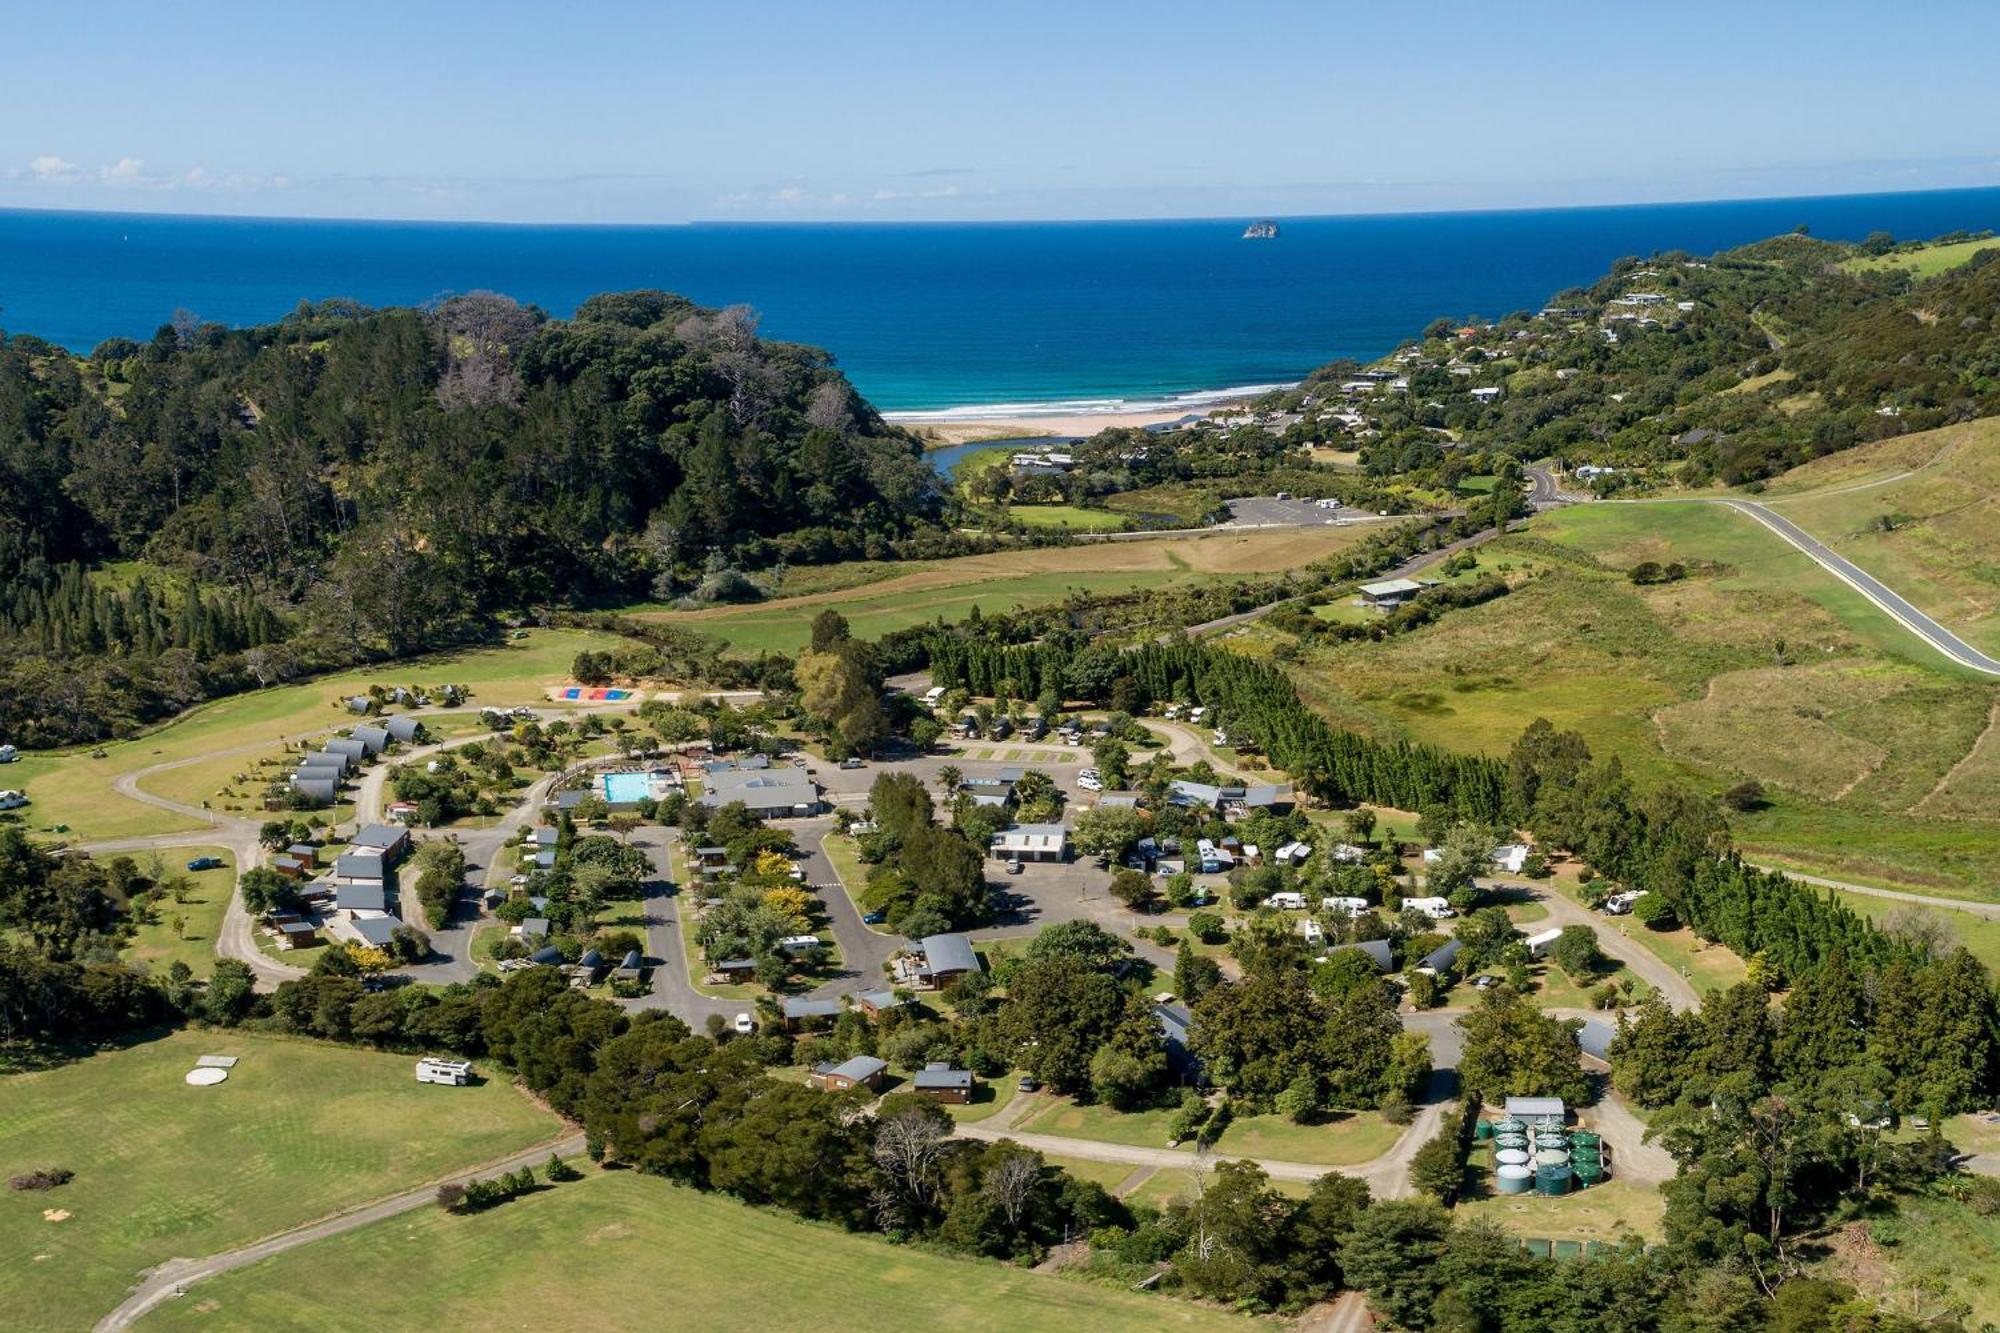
x=558 y=1170
x=47 y=1178
x=1207 y=927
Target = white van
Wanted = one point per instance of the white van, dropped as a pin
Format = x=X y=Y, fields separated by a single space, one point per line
x=1344 y=906
x=1287 y=902
x=1437 y=909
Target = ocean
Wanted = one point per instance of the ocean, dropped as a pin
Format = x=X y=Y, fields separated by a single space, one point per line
x=972 y=319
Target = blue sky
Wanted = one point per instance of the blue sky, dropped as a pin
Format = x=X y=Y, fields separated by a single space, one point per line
x=611 y=112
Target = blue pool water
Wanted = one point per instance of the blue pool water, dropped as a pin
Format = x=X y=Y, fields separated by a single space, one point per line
x=627 y=788
x=1066 y=316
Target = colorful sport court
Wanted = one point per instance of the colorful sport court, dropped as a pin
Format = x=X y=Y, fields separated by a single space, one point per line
x=581 y=694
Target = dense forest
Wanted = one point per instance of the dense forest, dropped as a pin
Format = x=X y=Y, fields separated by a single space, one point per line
x=358 y=483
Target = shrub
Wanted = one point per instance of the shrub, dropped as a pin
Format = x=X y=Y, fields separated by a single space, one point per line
x=47 y=1178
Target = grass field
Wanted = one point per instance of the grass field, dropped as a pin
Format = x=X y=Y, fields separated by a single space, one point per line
x=1006 y=581
x=1344 y=1141
x=1925 y=261
x=162 y=1169
x=158 y=945
x=1940 y=492
x=1608 y=1212
x=617 y=1249
x=1980 y=934
x=75 y=789
x=1881 y=763
x=1170 y=1184
x=1065 y=516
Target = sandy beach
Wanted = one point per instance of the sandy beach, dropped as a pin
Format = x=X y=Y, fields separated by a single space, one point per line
x=949 y=431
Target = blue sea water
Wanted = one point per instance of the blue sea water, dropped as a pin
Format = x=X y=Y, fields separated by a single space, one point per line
x=981 y=317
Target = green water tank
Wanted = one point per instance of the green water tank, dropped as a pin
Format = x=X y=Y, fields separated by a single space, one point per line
x=1483 y=1130
x=1552 y=1180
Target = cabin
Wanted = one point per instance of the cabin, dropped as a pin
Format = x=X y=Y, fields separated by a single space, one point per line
x=376 y=930
x=946 y=958
x=875 y=1003
x=1175 y=1023
x=375 y=738
x=1377 y=950
x=941 y=1083
x=386 y=840
x=800 y=1012
x=862 y=1071
x=404 y=729
x=1389 y=593
x=1439 y=960
x=296 y=934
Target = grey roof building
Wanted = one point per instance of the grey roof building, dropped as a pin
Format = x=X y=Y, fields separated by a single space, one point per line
x=377 y=930
x=348 y=746
x=404 y=728
x=770 y=792
x=333 y=759
x=387 y=839
x=375 y=738
x=948 y=956
x=1594 y=1038
x=1175 y=1024
x=535 y=928
x=796 y=1007
x=1375 y=949
x=939 y=1077
x=321 y=790
x=365 y=896
x=358 y=865
x=1440 y=958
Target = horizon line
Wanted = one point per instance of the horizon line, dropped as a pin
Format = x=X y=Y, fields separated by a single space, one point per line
x=1709 y=201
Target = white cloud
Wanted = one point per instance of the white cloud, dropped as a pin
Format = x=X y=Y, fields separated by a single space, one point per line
x=56 y=170
x=125 y=171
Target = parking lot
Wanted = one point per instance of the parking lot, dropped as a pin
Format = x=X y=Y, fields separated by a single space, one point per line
x=1268 y=511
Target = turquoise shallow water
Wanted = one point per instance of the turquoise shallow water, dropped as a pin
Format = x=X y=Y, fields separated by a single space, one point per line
x=1065 y=316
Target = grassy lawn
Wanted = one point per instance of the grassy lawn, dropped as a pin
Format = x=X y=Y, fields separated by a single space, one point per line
x=1065 y=516
x=990 y=1097
x=1108 y=1174
x=617 y=1242
x=1879 y=764
x=1706 y=966
x=1169 y=1184
x=1923 y=261
x=1608 y=1212
x=1980 y=934
x=157 y=945
x=1345 y=1141
x=1930 y=1238
x=1002 y=581
x=1099 y=1124
x=76 y=789
x=844 y=854
x=300 y=1129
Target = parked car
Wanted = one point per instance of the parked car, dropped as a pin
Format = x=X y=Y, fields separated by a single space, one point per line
x=1014 y=867
x=745 y=1024
x=205 y=863
x=852 y=761
x=12 y=800
x=1029 y=1083
x=876 y=917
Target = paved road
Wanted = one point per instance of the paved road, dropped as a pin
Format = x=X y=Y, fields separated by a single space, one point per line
x=1951 y=904
x=171 y=1278
x=1645 y=964
x=1932 y=633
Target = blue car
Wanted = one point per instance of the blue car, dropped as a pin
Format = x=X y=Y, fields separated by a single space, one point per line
x=876 y=918
x=205 y=863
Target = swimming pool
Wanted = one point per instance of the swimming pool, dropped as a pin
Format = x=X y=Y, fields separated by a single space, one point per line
x=627 y=788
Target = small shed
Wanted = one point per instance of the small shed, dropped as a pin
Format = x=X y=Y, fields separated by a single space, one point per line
x=940 y=1082
x=862 y=1071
